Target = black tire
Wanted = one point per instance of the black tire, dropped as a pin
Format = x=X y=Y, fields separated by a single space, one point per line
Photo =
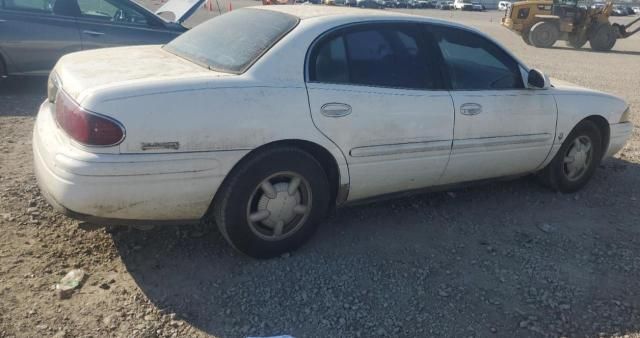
x=603 y=37
x=237 y=197
x=576 y=42
x=3 y=71
x=555 y=176
x=543 y=34
x=525 y=37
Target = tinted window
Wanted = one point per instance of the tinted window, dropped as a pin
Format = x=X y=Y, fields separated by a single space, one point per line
x=385 y=56
x=45 y=6
x=232 y=42
x=475 y=63
x=331 y=62
x=111 y=11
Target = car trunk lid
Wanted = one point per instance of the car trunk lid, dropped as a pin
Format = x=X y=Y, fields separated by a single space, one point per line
x=81 y=73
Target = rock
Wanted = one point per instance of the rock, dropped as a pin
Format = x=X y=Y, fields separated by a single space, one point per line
x=443 y=293
x=546 y=227
x=60 y=334
x=71 y=281
x=176 y=323
x=109 y=321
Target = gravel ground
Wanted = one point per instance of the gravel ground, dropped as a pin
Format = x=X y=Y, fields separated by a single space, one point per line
x=504 y=259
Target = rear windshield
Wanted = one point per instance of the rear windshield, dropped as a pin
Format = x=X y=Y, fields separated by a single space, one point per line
x=232 y=42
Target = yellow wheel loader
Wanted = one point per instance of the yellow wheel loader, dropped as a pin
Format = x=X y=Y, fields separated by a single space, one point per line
x=541 y=23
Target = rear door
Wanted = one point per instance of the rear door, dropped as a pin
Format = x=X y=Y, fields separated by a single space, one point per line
x=110 y=23
x=374 y=90
x=34 y=34
x=501 y=128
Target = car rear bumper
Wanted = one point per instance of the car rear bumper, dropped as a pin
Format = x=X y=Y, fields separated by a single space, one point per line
x=619 y=134
x=125 y=188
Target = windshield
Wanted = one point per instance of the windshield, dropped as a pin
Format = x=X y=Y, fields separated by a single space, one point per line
x=232 y=42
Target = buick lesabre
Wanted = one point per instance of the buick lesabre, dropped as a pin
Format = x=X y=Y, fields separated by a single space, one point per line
x=265 y=118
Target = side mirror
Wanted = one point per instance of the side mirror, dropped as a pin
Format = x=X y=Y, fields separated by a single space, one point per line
x=537 y=80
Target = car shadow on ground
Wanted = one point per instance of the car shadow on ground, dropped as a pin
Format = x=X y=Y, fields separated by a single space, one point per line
x=510 y=258
x=21 y=96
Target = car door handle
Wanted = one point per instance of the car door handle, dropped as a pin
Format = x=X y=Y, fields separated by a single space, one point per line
x=335 y=109
x=1 y=20
x=94 y=33
x=470 y=109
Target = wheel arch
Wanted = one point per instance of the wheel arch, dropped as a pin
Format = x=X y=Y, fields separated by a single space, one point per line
x=603 y=126
x=338 y=191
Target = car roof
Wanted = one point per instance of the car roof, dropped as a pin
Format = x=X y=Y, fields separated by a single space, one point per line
x=310 y=11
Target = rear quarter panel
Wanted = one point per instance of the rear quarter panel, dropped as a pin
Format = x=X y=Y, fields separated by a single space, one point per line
x=204 y=115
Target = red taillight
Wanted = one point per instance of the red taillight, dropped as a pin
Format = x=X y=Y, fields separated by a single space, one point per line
x=86 y=127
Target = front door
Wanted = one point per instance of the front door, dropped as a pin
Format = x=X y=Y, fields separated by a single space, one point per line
x=374 y=90
x=501 y=127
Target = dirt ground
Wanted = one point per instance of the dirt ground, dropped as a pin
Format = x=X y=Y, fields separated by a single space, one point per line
x=505 y=259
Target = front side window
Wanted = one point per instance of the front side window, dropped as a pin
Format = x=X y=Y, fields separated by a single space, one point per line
x=111 y=11
x=234 y=41
x=373 y=55
x=475 y=63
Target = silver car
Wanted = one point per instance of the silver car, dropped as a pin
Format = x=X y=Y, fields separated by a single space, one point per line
x=34 y=34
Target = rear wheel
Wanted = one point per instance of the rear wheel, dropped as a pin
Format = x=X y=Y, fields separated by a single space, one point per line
x=576 y=41
x=525 y=37
x=603 y=38
x=544 y=34
x=273 y=202
x=576 y=161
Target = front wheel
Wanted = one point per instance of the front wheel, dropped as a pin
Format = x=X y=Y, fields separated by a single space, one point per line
x=576 y=161
x=603 y=38
x=272 y=202
x=543 y=34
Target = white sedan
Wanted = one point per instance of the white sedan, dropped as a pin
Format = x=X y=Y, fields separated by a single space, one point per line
x=265 y=118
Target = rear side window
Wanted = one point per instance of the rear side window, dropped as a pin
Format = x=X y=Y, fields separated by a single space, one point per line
x=380 y=55
x=331 y=62
x=232 y=42
x=43 y=6
x=475 y=63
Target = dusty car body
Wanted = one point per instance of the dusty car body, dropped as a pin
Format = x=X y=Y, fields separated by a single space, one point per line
x=200 y=127
x=35 y=34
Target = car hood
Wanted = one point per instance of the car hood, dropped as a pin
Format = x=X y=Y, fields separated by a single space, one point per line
x=563 y=87
x=84 y=72
x=181 y=9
